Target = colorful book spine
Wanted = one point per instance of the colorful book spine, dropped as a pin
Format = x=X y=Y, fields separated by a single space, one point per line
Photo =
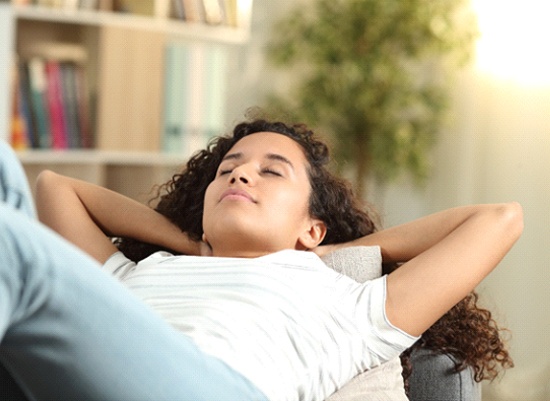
x=83 y=102
x=26 y=106
x=55 y=106
x=38 y=86
x=18 y=134
x=54 y=81
x=69 y=103
x=178 y=11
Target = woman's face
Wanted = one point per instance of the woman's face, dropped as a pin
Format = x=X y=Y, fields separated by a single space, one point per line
x=259 y=201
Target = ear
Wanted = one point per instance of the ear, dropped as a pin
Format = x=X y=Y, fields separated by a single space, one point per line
x=313 y=235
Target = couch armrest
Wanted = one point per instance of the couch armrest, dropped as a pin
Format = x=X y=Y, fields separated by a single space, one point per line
x=433 y=379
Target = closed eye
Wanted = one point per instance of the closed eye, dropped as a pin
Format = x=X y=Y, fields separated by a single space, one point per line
x=270 y=171
x=223 y=172
x=263 y=171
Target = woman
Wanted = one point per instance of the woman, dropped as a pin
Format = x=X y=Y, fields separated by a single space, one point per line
x=261 y=201
x=467 y=331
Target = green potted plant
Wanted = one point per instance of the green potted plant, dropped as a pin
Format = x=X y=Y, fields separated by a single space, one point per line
x=373 y=75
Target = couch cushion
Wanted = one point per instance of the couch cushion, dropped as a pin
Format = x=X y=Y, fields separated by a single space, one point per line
x=383 y=383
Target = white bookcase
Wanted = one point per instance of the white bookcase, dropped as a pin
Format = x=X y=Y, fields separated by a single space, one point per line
x=6 y=51
x=128 y=163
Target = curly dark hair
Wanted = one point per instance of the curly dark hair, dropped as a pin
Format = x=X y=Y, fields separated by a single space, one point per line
x=467 y=331
x=331 y=200
x=471 y=335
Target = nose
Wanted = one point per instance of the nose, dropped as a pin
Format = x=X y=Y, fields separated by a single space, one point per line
x=239 y=174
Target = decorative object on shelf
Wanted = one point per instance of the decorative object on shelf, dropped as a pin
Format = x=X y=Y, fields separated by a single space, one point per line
x=374 y=75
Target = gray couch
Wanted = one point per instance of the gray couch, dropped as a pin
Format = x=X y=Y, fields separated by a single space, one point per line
x=433 y=379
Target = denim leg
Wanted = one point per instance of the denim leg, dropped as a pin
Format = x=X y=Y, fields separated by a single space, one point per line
x=14 y=188
x=70 y=331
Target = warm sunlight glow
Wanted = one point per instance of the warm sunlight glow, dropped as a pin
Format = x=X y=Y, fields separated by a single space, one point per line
x=514 y=39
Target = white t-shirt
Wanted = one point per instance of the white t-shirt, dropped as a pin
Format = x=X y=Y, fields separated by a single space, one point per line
x=294 y=327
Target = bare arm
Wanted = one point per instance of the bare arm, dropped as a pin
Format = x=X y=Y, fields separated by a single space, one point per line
x=87 y=215
x=446 y=255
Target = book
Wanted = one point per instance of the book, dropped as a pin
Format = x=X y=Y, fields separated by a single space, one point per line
x=230 y=13
x=178 y=11
x=175 y=90
x=18 y=129
x=69 y=102
x=105 y=5
x=26 y=105
x=162 y=8
x=38 y=85
x=213 y=12
x=55 y=106
x=215 y=91
x=195 y=94
x=56 y=87
x=194 y=11
x=83 y=102
x=138 y=7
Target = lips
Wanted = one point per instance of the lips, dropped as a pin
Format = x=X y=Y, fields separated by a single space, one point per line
x=237 y=194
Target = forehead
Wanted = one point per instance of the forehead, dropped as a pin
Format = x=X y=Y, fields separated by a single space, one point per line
x=264 y=143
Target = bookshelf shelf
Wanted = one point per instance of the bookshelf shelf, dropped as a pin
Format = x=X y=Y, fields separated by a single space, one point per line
x=92 y=156
x=174 y=28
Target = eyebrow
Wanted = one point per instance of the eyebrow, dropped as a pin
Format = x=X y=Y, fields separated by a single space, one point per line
x=269 y=156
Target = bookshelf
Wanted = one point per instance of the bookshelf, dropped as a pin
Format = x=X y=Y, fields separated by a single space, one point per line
x=125 y=74
x=169 y=26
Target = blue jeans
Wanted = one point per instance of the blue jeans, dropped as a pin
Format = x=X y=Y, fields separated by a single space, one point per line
x=70 y=331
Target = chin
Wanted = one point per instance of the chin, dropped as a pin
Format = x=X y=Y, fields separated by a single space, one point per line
x=230 y=230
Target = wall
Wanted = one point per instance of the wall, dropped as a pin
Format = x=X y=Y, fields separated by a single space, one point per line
x=496 y=149
x=256 y=76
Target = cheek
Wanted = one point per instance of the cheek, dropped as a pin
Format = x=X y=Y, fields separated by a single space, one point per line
x=294 y=204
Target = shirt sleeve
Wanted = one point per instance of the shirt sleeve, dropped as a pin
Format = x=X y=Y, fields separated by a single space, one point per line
x=385 y=340
x=119 y=265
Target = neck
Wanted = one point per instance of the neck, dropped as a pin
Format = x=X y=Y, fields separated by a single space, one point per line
x=249 y=251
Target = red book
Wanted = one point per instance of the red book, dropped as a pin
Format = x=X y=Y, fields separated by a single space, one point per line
x=54 y=96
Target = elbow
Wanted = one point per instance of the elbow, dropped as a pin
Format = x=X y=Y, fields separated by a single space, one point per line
x=512 y=216
x=47 y=187
x=45 y=176
x=46 y=181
